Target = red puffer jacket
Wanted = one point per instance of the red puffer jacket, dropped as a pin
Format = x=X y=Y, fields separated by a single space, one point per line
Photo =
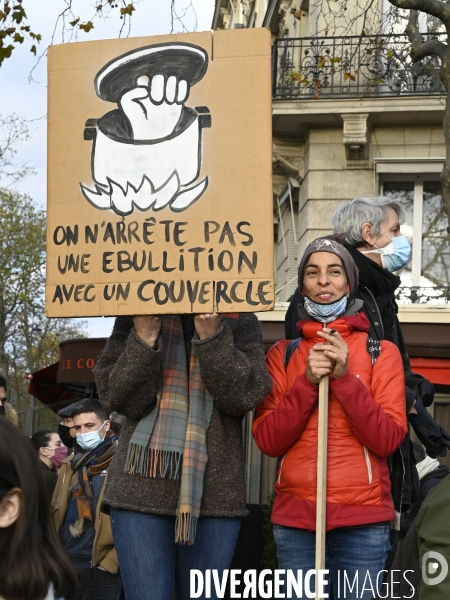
x=366 y=423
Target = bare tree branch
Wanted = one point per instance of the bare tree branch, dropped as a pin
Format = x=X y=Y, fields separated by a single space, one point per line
x=438 y=9
x=420 y=48
x=179 y=16
x=13 y=132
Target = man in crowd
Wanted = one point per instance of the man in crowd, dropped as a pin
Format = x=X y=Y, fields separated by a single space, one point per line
x=370 y=230
x=66 y=428
x=6 y=410
x=84 y=531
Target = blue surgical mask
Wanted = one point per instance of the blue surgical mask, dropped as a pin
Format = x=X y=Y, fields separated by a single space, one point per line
x=395 y=255
x=325 y=313
x=91 y=439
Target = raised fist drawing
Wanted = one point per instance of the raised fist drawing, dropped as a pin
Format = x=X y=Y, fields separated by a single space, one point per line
x=147 y=153
x=154 y=107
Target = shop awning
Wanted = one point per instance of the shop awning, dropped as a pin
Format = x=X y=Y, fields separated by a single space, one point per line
x=43 y=386
x=78 y=358
x=437 y=370
x=71 y=378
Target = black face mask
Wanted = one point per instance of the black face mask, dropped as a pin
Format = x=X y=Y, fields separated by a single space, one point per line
x=2 y=411
x=64 y=434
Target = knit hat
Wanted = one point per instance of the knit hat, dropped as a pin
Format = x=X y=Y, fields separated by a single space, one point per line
x=328 y=245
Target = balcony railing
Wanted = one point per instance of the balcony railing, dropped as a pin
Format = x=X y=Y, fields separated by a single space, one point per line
x=352 y=67
x=423 y=295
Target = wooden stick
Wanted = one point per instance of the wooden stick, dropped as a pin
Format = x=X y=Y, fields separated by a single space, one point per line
x=321 y=478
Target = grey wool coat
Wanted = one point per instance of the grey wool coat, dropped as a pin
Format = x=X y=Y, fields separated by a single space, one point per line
x=232 y=367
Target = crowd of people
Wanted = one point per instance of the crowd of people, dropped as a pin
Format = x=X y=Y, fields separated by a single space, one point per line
x=139 y=487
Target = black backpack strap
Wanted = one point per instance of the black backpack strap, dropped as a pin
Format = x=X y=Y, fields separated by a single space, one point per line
x=374 y=349
x=290 y=349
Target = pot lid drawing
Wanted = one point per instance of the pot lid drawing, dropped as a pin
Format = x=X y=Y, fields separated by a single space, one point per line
x=147 y=153
x=183 y=61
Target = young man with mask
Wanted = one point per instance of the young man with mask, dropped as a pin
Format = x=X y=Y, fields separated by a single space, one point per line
x=369 y=228
x=84 y=531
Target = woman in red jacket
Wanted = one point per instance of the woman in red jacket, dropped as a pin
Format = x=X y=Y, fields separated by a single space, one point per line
x=366 y=424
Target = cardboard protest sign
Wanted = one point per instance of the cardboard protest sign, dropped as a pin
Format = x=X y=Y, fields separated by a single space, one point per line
x=159 y=175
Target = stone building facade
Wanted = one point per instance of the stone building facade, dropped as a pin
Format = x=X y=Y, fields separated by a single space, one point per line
x=353 y=117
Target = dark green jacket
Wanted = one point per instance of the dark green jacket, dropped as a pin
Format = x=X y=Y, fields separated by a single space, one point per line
x=433 y=536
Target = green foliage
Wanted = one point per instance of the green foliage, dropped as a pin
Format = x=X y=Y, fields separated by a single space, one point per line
x=28 y=340
x=44 y=419
x=299 y=78
x=5 y=51
x=86 y=27
x=22 y=247
x=13 y=28
x=269 y=558
x=127 y=10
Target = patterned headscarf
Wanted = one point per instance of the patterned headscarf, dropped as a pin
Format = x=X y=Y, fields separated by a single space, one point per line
x=327 y=245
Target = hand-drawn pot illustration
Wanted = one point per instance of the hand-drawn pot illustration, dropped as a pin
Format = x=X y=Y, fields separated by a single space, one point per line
x=147 y=153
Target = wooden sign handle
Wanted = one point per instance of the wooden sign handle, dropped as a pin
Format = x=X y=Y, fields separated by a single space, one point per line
x=321 y=477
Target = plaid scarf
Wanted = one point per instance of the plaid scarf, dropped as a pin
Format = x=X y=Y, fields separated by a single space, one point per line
x=173 y=435
x=80 y=491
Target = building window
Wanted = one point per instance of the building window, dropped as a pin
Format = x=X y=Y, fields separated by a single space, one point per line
x=425 y=228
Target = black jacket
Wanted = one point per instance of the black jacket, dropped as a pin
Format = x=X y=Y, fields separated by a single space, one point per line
x=50 y=479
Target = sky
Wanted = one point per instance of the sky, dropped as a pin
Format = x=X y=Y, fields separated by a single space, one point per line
x=28 y=99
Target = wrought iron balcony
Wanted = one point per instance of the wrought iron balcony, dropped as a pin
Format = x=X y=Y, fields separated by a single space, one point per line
x=352 y=67
x=423 y=295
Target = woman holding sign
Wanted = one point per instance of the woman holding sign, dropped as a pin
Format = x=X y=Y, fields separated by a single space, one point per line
x=366 y=423
x=176 y=487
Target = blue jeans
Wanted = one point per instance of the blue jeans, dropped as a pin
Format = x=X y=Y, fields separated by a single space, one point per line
x=150 y=560
x=354 y=557
x=96 y=584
